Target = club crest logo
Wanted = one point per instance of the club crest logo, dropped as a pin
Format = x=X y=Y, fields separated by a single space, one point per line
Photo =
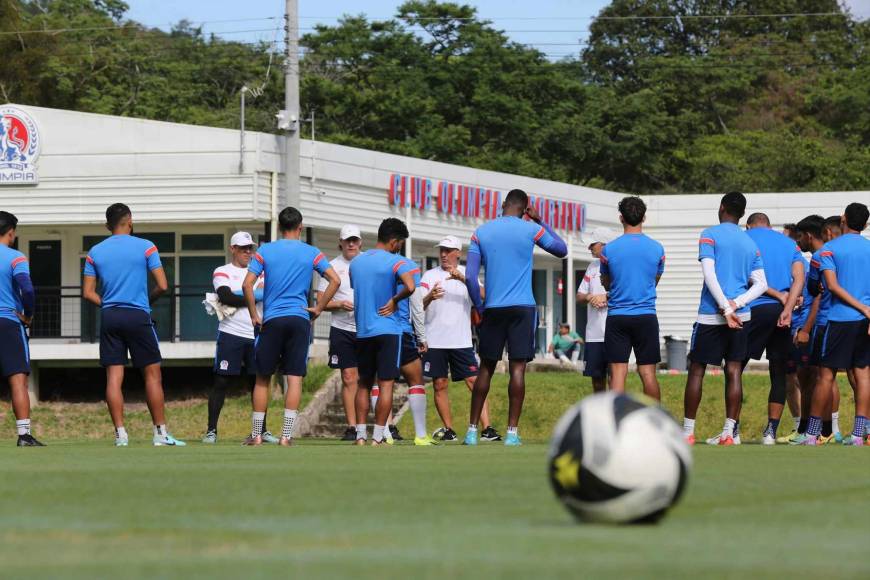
x=19 y=147
x=225 y=364
x=334 y=359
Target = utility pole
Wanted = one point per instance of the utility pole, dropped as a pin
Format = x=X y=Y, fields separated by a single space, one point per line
x=289 y=119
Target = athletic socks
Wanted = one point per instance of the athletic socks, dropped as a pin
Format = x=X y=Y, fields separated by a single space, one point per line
x=376 y=393
x=736 y=428
x=835 y=422
x=472 y=428
x=362 y=432
x=289 y=421
x=827 y=430
x=417 y=402
x=121 y=433
x=728 y=428
x=257 y=419
x=688 y=427
x=23 y=427
x=802 y=426
x=378 y=434
x=860 y=427
x=160 y=431
x=772 y=426
x=512 y=431
x=797 y=423
x=814 y=426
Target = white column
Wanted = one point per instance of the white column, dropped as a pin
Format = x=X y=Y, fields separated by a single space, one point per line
x=548 y=308
x=570 y=286
x=33 y=384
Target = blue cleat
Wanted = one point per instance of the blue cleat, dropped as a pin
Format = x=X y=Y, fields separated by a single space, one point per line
x=470 y=438
x=512 y=440
x=167 y=440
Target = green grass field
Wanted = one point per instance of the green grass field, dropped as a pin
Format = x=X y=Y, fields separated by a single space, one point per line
x=84 y=509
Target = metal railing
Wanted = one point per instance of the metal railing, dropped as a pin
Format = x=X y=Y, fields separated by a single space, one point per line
x=61 y=313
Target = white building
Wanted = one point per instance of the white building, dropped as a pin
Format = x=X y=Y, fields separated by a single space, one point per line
x=189 y=192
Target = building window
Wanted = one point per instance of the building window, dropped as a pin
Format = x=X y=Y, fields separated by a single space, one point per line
x=202 y=242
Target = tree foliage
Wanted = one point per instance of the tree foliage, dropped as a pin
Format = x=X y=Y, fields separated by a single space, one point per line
x=668 y=96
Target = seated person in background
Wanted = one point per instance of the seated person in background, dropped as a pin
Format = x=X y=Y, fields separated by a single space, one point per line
x=565 y=343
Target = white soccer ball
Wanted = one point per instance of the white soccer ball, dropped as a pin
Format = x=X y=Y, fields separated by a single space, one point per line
x=618 y=458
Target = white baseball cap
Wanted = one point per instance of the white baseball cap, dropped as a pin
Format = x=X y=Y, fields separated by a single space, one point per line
x=349 y=231
x=242 y=239
x=600 y=235
x=451 y=242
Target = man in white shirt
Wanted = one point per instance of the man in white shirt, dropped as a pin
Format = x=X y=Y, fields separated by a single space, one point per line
x=448 y=334
x=235 y=343
x=342 y=331
x=592 y=293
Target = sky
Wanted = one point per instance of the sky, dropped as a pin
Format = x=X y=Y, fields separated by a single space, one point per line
x=556 y=27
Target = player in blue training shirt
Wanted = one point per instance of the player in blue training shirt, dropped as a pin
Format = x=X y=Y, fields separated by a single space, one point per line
x=768 y=328
x=733 y=277
x=505 y=247
x=284 y=331
x=844 y=263
x=122 y=263
x=381 y=280
x=17 y=300
x=631 y=266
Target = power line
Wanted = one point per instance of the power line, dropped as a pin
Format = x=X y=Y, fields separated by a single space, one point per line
x=599 y=17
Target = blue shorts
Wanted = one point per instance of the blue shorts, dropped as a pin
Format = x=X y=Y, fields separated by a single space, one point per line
x=15 y=354
x=846 y=345
x=817 y=337
x=765 y=336
x=410 y=352
x=342 y=348
x=713 y=343
x=596 y=360
x=283 y=344
x=461 y=363
x=511 y=326
x=128 y=329
x=638 y=332
x=379 y=357
x=234 y=352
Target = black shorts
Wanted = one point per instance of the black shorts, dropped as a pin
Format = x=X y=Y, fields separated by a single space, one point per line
x=511 y=326
x=596 y=360
x=15 y=354
x=410 y=352
x=234 y=353
x=128 y=329
x=765 y=335
x=632 y=331
x=283 y=344
x=846 y=345
x=713 y=343
x=379 y=357
x=342 y=348
x=816 y=339
x=461 y=363
x=798 y=358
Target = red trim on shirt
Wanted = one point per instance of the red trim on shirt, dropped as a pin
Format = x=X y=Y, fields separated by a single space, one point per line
x=604 y=259
x=587 y=279
x=707 y=241
x=414 y=271
x=540 y=233
x=258 y=257
x=89 y=260
x=18 y=260
x=221 y=274
x=398 y=265
x=319 y=257
x=474 y=238
x=424 y=285
x=663 y=258
x=815 y=264
x=826 y=253
x=150 y=251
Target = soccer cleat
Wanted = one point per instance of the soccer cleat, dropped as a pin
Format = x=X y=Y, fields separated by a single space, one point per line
x=28 y=440
x=768 y=440
x=424 y=441
x=490 y=434
x=512 y=440
x=799 y=439
x=251 y=440
x=470 y=438
x=210 y=437
x=269 y=438
x=823 y=440
x=690 y=439
x=438 y=434
x=788 y=438
x=376 y=443
x=808 y=441
x=394 y=433
x=360 y=442
x=285 y=442
x=852 y=441
x=723 y=440
x=121 y=442
x=167 y=441
x=838 y=437
x=736 y=439
x=449 y=436
x=349 y=434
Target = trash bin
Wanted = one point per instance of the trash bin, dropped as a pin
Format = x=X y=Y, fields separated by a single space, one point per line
x=676 y=348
